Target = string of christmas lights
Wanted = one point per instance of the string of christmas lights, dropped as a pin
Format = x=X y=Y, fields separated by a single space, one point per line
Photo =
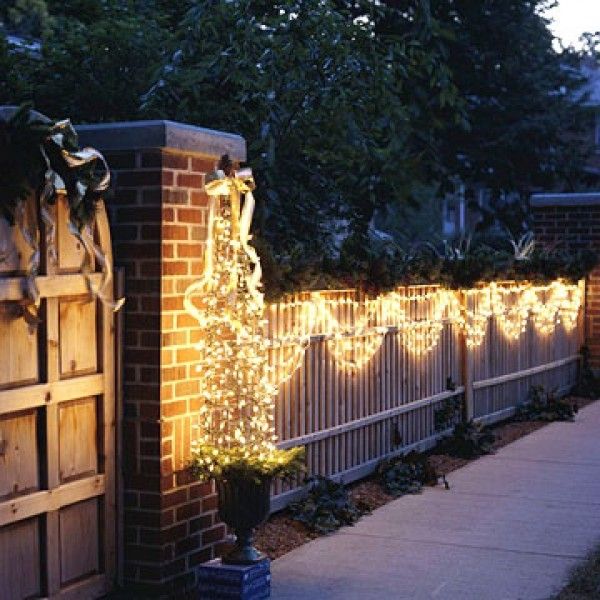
x=237 y=412
x=352 y=345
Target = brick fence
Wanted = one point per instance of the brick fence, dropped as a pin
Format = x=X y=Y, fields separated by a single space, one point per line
x=573 y=221
x=158 y=218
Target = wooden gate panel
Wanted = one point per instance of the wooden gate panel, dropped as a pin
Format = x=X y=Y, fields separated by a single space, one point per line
x=19 y=471
x=20 y=560
x=78 y=351
x=18 y=350
x=57 y=500
x=79 y=522
x=78 y=452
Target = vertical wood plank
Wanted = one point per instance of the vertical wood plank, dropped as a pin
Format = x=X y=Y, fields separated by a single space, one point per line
x=467 y=369
x=19 y=460
x=52 y=537
x=20 y=561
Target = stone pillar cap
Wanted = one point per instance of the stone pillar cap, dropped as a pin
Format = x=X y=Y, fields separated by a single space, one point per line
x=136 y=135
x=571 y=199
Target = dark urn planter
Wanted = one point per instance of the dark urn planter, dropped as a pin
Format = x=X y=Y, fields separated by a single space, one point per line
x=244 y=503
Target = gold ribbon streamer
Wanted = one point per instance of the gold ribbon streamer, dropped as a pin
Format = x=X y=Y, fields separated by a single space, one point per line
x=218 y=184
x=91 y=249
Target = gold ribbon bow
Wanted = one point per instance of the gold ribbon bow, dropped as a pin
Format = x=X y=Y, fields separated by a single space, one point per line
x=218 y=184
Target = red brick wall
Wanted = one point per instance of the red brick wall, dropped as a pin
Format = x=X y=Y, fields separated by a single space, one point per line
x=576 y=227
x=158 y=216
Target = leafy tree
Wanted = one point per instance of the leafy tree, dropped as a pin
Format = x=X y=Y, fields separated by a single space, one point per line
x=95 y=69
x=340 y=110
x=27 y=18
x=15 y=85
x=352 y=109
x=591 y=44
x=526 y=122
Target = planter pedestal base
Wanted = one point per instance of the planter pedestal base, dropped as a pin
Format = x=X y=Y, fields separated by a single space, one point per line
x=217 y=580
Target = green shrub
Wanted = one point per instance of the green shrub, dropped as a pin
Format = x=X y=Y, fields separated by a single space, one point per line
x=327 y=507
x=448 y=412
x=468 y=440
x=542 y=405
x=406 y=474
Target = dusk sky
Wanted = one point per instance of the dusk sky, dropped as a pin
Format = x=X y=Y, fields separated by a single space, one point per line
x=571 y=18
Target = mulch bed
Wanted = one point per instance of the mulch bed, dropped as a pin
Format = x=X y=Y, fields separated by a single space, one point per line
x=280 y=533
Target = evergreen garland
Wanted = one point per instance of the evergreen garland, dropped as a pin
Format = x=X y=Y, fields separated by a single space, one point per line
x=38 y=159
x=38 y=156
x=424 y=265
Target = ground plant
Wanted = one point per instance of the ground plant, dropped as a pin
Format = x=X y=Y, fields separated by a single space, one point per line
x=545 y=405
x=406 y=474
x=468 y=440
x=584 y=582
x=448 y=412
x=327 y=506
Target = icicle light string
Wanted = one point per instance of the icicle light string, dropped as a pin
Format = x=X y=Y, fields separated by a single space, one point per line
x=353 y=344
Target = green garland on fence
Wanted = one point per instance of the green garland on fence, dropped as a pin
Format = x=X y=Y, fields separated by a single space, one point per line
x=459 y=265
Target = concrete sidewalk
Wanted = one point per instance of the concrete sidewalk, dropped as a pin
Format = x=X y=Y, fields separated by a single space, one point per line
x=511 y=527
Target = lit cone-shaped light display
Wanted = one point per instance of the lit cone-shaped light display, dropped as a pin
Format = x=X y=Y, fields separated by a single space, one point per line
x=236 y=427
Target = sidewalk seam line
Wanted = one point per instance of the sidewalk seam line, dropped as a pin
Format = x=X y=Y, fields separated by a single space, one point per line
x=471 y=547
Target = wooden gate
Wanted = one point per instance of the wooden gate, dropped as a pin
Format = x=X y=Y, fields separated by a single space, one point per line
x=57 y=497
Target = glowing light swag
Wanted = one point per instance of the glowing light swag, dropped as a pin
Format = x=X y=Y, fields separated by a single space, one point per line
x=238 y=387
x=352 y=346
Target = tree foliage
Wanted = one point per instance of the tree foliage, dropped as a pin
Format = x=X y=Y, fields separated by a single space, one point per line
x=94 y=63
x=350 y=108
x=525 y=117
x=340 y=117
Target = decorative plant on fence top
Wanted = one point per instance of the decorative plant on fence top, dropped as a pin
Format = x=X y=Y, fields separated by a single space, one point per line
x=38 y=159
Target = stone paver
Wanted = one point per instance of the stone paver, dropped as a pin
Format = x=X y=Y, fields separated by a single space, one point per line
x=510 y=528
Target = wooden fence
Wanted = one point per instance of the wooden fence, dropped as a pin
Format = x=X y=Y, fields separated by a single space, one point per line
x=362 y=379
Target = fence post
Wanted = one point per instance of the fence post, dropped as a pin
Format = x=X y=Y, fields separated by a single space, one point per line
x=466 y=364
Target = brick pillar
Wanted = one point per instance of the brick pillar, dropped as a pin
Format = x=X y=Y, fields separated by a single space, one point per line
x=158 y=220
x=573 y=221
